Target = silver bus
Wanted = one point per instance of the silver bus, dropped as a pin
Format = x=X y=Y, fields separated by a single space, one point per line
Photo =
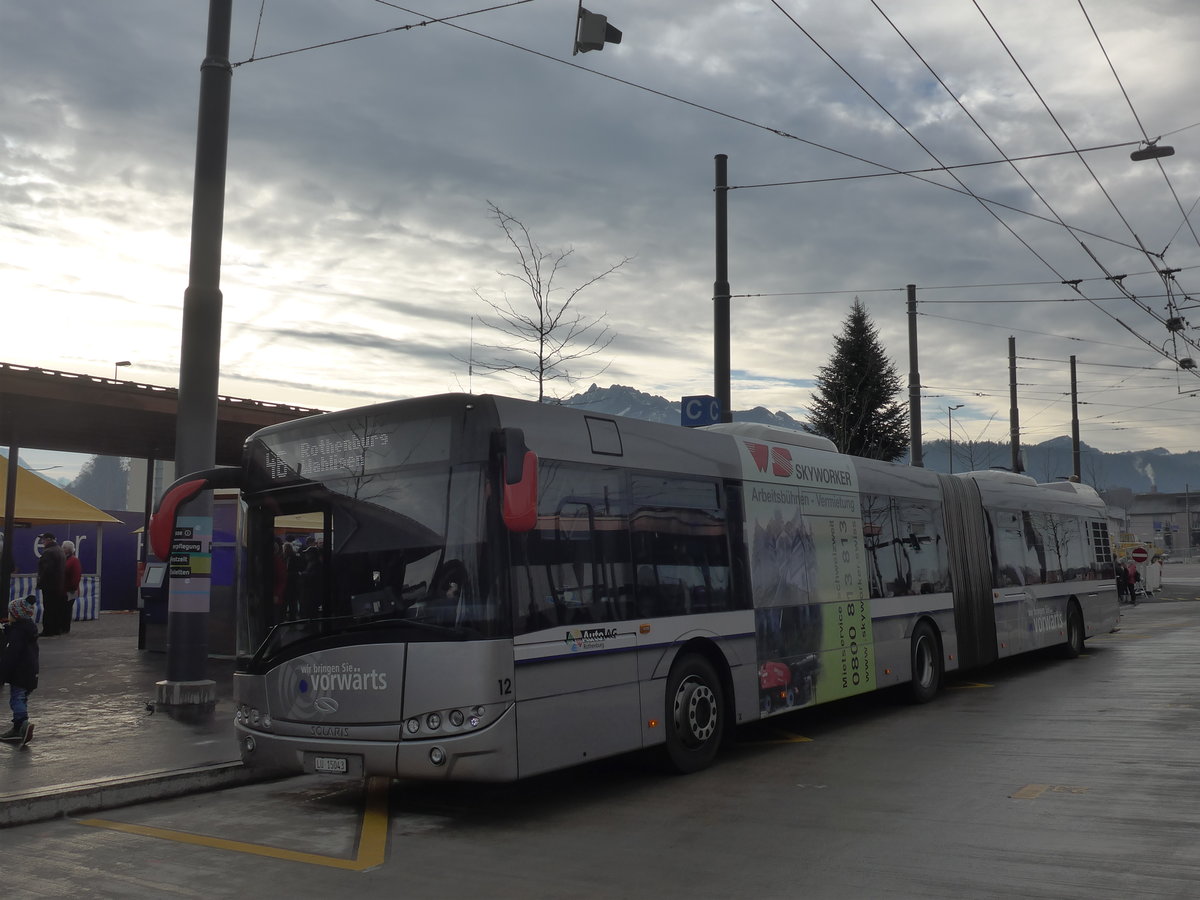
x=484 y=588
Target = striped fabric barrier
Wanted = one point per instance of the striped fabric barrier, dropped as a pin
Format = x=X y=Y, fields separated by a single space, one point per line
x=87 y=604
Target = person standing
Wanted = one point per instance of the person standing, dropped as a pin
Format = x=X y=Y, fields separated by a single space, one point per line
x=1122 y=575
x=51 y=580
x=1132 y=577
x=73 y=575
x=19 y=667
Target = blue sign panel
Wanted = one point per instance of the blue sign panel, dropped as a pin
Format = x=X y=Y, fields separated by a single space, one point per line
x=701 y=410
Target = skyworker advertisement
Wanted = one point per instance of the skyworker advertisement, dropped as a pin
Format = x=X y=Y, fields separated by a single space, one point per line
x=808 y=571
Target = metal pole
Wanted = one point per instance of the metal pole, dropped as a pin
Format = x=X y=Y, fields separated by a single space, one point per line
x=915 y=452
x=1075 y=467
x=721 y=366
x=200 y=362
x=950 y=432
x=10 y=509
x=1014 y=416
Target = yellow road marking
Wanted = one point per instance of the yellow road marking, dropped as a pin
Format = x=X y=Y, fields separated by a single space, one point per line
x=1030 y=792
x=372 y=837
x=1033 y=791
x=784 y=737
x=967 y=685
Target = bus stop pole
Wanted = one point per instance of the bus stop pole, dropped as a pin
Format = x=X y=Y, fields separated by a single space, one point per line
x=187 y=684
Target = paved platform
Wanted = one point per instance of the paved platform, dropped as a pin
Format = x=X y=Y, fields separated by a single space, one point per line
x=99 y=742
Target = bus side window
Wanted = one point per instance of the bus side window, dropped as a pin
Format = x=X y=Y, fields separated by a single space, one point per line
x=680 y=546
x=573 y=567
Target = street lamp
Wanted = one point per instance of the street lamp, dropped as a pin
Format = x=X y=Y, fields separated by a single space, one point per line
x=950 y=431
x=119 y=365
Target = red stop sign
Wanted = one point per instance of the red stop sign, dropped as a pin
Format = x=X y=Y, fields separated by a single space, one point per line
x=1139 y=554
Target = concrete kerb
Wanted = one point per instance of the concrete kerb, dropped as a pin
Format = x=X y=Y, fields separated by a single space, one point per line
x=62 y=800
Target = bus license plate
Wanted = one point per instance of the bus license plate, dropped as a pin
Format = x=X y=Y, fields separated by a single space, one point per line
x=330 y=765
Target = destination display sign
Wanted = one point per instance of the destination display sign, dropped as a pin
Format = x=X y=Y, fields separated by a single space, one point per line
x=354 y=447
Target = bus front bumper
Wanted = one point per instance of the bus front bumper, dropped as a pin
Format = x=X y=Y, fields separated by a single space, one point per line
x=487 y=755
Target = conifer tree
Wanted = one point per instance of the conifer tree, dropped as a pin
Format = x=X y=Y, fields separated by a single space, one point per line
x=855 y=403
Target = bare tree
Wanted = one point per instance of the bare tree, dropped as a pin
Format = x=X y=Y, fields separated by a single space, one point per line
x=979 y=453
x=547 y=337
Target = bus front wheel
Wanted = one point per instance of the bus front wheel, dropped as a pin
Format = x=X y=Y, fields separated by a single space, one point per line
x=695 y=716
x=1073 y=645
x=926 y=664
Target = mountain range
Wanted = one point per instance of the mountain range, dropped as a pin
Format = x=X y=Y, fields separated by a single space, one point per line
x=1138 y=471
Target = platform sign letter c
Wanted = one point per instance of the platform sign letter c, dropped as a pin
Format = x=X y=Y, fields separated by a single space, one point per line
x=699 y=410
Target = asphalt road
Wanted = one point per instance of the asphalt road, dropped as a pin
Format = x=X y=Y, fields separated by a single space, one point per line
x=1033 y=778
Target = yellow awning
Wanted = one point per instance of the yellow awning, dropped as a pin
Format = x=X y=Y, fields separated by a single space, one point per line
x=39 y=502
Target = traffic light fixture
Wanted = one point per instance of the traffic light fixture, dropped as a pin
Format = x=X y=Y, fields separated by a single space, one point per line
x=592 y=32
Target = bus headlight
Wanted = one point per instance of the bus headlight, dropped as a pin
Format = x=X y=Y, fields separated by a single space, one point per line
x=437 y=756
x=412 y=726
x=433 y=721
x=456 y=718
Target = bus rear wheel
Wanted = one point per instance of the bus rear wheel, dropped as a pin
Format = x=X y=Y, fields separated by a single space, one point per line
x=695 y=716
x=926 y=663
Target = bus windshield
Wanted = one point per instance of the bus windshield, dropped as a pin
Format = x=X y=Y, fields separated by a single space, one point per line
x=396 y=555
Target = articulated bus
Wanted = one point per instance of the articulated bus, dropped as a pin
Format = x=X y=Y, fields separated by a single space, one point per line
x=494 y=588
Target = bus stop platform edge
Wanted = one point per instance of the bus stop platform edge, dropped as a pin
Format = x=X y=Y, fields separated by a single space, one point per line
x=99 y=741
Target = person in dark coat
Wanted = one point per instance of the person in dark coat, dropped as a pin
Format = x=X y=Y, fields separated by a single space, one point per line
x=1123 y=588
x=19 y=667
x=51 y=581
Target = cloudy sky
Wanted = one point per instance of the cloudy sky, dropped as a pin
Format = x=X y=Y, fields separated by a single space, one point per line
x=358 y=244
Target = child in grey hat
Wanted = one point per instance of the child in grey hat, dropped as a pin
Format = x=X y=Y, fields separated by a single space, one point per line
x=19 y=667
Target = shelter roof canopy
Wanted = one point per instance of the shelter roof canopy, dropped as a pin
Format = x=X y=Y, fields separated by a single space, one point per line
x=39 y=502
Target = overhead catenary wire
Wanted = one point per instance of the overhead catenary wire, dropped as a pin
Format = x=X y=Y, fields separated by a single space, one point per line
x=929 y=169
x=1070 y=283
x=1083 y=161
x=748 y=122
x=1138 y=119
x=888 y=170
x=370 y=34
x=1073 y=284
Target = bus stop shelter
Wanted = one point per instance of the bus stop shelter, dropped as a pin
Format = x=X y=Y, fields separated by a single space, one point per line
x=40 y=505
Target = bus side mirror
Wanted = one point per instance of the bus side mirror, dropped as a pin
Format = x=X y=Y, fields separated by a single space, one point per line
x=520 y=499
x=519 y=503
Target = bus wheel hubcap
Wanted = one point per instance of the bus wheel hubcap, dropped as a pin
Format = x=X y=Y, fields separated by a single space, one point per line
x=695 y=711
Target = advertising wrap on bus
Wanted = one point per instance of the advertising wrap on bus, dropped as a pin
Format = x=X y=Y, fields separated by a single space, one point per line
x=809 y=575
